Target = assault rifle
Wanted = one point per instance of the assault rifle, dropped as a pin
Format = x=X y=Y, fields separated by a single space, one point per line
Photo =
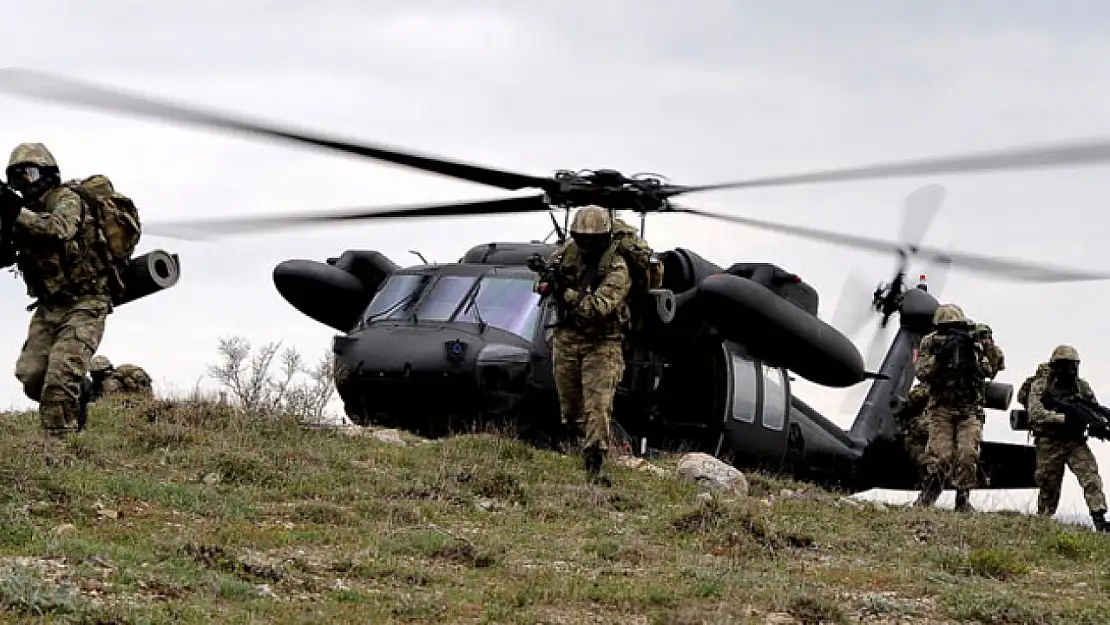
x=553 y=282
x=8 y=197
x=1094 y=416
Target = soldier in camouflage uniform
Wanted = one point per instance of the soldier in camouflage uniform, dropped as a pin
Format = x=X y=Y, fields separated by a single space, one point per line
x=122 y=380
x=954 y=413
x=589 y=338
x=51 y=237
x=915 y=434
x=1060 y=441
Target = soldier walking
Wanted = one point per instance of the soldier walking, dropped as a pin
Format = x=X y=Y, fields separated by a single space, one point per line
x=1060 y=440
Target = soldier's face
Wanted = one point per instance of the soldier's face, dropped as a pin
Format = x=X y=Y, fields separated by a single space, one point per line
x=22 y=178
x=1065 y=369
x=592 y=244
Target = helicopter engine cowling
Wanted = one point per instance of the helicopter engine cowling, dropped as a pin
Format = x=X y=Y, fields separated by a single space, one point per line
x=775 y=330
x=334 y=293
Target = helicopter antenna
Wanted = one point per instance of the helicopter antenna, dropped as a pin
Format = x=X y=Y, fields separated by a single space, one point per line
x=559 y=231
x=420 y=256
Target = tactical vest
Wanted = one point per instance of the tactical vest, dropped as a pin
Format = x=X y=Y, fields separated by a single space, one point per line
x=573 y=266
x=53 y=268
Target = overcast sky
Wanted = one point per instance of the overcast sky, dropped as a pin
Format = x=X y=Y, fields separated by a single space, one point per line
x=700 y=92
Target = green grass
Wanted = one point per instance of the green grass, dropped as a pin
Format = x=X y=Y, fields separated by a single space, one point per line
x=190 y=512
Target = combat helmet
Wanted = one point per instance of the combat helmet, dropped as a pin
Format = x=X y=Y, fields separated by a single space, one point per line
x=32 y=154
x=591 y=220
x=1064 y=352
x=32 y=169
x=592 y=229
x=100 y=364
x=949 y=314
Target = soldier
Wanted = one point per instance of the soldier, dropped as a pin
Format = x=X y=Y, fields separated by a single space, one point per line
x=51 y=237
x=122 y=380
x=588 y=344
x=915 y=435
x=1060 y=441
x=955 y=365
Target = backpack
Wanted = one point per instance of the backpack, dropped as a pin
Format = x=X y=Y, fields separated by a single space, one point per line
x=1023 y=392
x=118 y=217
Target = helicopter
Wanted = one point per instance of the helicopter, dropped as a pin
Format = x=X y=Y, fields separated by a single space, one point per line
x=435 y=348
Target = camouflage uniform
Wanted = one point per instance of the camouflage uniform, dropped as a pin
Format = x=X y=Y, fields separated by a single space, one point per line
x=588 y=345
x=954 y=413
x=1060 y=442
x=52 y=240
x=122 y=380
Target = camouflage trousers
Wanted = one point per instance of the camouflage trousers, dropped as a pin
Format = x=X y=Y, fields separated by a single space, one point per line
x=61 y=340
x=953 y=447
x=587 y=373
x=1052 y=456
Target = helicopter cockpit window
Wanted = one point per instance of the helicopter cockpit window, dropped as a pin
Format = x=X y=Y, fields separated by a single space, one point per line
x=444 y=298
x=509 y=304
x=745 y=389
x=395 y=297
x=774 y=398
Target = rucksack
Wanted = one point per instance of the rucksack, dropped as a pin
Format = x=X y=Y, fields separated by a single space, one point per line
x=118 y=217
x=1023 y=392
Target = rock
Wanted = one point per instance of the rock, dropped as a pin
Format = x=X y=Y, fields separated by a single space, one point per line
x=393 y=437
x=704 y=497
x=212 y=479
x=704 y=469
x=65 y=529
x=632 y=462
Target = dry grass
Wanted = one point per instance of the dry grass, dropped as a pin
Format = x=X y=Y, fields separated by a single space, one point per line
x=190 y=512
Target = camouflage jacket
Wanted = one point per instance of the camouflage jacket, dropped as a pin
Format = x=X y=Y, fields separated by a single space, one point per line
x=123 y=380
x=601 y=312
x=54 y=241
x=948 y=387
x=1044 y=422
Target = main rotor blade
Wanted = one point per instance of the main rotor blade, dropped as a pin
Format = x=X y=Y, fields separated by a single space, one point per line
x=49 y=87
x=1043 y=156
x=853 y=306
x=1016 y=269
x=917 y=215
x=210 y=228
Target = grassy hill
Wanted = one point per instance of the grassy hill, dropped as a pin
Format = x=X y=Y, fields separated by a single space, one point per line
x=189 y=511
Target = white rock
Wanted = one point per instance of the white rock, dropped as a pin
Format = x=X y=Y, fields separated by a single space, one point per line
x=705 y=469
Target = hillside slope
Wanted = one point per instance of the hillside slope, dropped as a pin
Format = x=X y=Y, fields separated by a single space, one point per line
x=191 y=512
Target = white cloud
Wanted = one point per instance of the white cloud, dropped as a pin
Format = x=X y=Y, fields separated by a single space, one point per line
x=729 y=90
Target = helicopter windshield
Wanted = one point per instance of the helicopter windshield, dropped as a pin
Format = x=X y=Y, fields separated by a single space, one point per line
x=509 y=304
x=395 y=298
x=444 y=298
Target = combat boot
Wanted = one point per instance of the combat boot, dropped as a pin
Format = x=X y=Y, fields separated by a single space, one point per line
x=1099 y=518
x=931 y=488
x=593 y=458
x=962 y=504
x=83 y=403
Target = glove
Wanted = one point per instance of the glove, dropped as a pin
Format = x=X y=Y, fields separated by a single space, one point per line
x=571 y=296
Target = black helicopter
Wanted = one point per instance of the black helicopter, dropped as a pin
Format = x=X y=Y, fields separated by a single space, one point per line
x=433 y=347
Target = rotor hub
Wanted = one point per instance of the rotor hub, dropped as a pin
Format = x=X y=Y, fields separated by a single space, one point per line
x=607 y=188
